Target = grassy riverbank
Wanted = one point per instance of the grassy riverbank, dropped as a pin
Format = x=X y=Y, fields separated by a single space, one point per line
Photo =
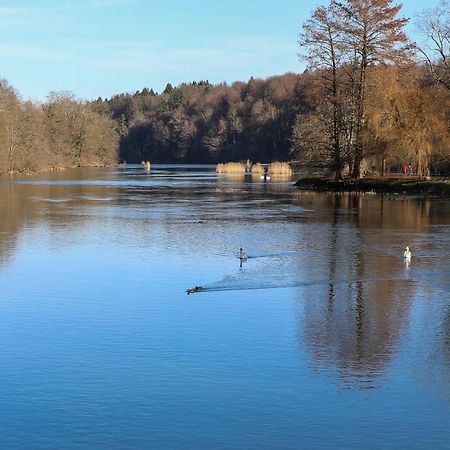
x=404 y=185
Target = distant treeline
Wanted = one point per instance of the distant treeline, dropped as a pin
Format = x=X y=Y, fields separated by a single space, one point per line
x=200 y=122
x=62 y=132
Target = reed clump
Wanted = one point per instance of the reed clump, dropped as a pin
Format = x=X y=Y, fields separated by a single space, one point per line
x=231 y=167
x=257 y=169
x=280 y=168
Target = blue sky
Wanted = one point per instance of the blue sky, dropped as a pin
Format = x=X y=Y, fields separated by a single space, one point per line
x=102 y=47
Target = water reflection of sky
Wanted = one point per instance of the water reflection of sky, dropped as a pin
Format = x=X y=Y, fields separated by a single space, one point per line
x=323 y=336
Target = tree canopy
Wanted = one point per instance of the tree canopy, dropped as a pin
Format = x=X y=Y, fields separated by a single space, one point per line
x=62 y=132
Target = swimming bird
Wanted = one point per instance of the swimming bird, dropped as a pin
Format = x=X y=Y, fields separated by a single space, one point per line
x=407 y=253
x=194 y=289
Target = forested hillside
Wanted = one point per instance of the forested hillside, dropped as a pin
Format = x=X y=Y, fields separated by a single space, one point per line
x=62 y=132
x=200 y=122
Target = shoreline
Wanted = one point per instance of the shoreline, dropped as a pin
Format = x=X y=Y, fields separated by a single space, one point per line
x=30 y=172
x=438 y=186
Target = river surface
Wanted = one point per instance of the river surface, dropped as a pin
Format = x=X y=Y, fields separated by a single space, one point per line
x=324 y=338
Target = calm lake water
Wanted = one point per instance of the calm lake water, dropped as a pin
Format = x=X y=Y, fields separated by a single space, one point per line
x=324 y=338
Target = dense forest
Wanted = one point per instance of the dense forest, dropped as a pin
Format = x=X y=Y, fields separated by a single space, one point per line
x=200 y=122
x=369 y=100
x=63 y=132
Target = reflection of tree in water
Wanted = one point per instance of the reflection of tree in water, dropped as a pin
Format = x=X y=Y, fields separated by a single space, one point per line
x=13 y=213
x=23 y=205
x=353 y=326
x=381 y=211
x=431 y=347
x=445 y=343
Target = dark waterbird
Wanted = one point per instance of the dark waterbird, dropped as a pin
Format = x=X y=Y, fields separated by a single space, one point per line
x=194 y=289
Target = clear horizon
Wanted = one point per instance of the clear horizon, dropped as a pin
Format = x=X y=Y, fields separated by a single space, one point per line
x=99 y=48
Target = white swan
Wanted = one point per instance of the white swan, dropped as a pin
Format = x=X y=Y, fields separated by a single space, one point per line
x=407 y=253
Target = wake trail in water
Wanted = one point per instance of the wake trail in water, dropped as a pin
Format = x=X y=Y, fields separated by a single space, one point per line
x=242 y=286
x=269 y=255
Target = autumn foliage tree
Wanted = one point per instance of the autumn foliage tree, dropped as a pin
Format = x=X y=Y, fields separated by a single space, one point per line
x=408 y=119
x=342 y=42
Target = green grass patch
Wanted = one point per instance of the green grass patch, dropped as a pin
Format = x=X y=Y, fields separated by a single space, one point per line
x=410 y=185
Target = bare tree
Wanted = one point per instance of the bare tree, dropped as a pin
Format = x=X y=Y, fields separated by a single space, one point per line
x=435 y=26
x=322 y=41
x=342 y=41
x=373 y=35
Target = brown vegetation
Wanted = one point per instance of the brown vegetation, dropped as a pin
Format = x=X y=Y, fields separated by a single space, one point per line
x=257 y=169
x=231 y=167
x=204 y=123
x=373 y=105
x=279 y=168
x=63 y=132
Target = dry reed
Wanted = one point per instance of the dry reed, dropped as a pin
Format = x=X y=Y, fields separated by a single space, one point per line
x=231 y=167
x=257 y=169
x=280 y=168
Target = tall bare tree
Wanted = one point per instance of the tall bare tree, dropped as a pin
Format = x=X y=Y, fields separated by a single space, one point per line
x=435 y=26
x=321 y=40
x=373 y=34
